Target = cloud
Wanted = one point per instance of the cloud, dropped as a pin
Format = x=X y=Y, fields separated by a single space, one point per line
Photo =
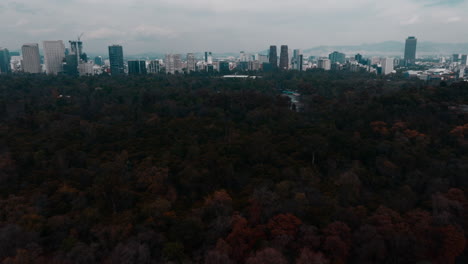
x=226 y=25
x=413 y=20
x=453 y=19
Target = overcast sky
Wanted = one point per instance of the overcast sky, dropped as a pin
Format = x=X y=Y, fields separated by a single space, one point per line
x=228 y=25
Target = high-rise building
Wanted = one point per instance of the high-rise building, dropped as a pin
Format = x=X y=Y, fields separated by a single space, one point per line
x=410 y=50
x=324 y=63
x=136 y=67
x=273 y=57
x=98 y=60
x=387 y=66
x=173 y=63
x=463 y=59
x=154 y=67
x=54 y=55
x=5 y=58
x=284 y=58
x=297 y=60
x=70 y=67
x=208 y=57
x=455 y=57
x=337 y=57
x=116 y=60
x=31 y=58
x=191 y=63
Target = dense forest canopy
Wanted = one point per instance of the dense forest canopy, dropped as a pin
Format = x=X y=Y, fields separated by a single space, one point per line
x=202 y=169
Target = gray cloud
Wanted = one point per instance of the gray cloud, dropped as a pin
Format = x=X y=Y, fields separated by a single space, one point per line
x=226 y=25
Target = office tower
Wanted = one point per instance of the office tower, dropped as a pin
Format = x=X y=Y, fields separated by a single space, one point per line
x=54 y=55
x=297 y=60
x=5 y=58
x=191 y=63
x=154 y=67
x=324 y=64
x=464 y=59
x=273 y=57
x=387 y=66
x=284 y=58
x=71 y=65
x=337 y=57
x=136 y=67
x=98 y=60
x=410 y=50
x=455 y=57
x=173 y=63
x=31 y=58
x=116 y=60
x=208 y=57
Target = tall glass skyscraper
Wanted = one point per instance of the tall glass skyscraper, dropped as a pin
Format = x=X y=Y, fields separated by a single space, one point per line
x=5 y=61
x=273 y=57
x=284 y=58
x=410 y=50
x=116 y=60
x=31 y=58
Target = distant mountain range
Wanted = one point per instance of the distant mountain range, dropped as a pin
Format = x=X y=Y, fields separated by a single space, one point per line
x=391 y=48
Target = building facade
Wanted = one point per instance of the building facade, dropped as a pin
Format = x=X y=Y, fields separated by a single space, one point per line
x=284 y=58
x=136 y=67
x=337 y=57
x=410 y=50
x=31 y=59
x=116 y=60
x=273 y=57
x=191 y=63
x=324 y=64
x=173 y=63
x=5 y=58
x=387 y=66
x=54 y=55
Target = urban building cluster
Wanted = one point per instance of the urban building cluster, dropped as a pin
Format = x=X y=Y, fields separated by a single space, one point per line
x=57 y=59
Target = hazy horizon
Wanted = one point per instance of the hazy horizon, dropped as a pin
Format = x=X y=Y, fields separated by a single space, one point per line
x=181 y=26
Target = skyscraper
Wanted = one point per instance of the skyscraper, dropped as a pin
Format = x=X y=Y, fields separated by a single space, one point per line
x=136 y=67
x=154 y=66
x=54 y=55
x=273 y=57
x=191 y=63
x=284 y=58
x=410 y=50
x=463 y=59
x=116 y=60
x=337 y=57
x=31 y=58
x=5 y=58
x=297 y=60
x=173 y=63
x=208 y=57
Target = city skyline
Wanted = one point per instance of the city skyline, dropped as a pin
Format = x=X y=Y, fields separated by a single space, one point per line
x=172 y=27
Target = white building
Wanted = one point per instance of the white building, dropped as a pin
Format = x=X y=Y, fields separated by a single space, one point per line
x=191 y=63
x=86 y=69
x=387 y=66
x=54 y=54
x=31 y=59
x=324 y=64
x=173 y=63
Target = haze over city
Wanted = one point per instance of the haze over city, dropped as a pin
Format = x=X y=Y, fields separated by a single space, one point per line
x=229 y=26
